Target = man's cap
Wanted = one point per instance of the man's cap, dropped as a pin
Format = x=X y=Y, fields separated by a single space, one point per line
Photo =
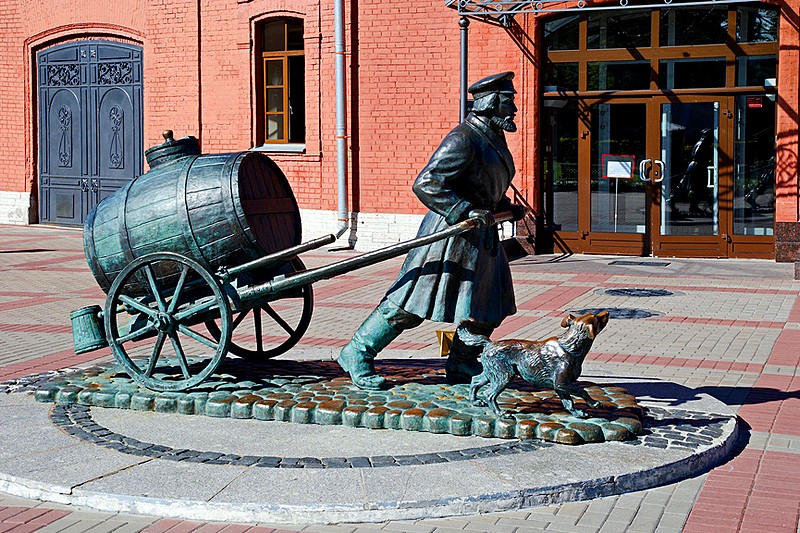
x=496 y=83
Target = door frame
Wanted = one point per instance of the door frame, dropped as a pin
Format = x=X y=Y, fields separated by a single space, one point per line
x=570 y=50
x=696 y=245
x=597 y=241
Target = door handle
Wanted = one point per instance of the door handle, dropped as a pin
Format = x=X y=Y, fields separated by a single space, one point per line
x=84 y=185
x=712 y=176
x=663 y=170
x=642 y=164
x=95 y=185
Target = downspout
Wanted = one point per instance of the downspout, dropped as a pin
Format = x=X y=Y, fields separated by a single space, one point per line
x=343 y=216
x=463 y=23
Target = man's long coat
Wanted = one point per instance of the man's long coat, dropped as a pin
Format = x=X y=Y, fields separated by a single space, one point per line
x=466 y=276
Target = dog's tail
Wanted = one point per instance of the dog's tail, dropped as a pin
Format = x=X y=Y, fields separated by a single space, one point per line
x=471 y=339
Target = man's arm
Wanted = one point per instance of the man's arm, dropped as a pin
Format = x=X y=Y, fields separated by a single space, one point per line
x=448 y=164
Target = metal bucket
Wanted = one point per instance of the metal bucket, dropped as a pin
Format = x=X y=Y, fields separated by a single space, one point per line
x=87 y=329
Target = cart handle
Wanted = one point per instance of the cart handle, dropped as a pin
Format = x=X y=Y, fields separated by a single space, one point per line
x=281 y=283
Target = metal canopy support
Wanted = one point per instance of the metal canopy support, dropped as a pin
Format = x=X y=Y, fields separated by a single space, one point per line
x=463 y=23
x=503 y=10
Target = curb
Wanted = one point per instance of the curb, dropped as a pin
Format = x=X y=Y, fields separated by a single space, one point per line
x=379 y=511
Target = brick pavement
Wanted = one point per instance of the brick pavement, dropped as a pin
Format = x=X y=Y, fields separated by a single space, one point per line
x=731 y=330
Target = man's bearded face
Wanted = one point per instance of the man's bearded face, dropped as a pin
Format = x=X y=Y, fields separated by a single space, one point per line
x=504 y=114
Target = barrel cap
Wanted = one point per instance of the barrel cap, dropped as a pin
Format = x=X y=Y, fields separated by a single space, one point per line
x=171 y=149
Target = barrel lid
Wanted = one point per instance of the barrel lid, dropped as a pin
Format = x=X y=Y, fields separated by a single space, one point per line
x=171 y=149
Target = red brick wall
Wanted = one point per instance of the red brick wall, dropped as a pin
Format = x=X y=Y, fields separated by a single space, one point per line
x=787 y=200
x=12 y=102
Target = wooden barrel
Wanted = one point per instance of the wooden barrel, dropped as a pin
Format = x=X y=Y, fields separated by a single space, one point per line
x=220 y=210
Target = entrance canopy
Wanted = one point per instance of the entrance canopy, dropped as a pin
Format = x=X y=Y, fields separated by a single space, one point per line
x=504 y=10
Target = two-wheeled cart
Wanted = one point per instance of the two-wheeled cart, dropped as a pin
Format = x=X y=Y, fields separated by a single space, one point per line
x=195 y=256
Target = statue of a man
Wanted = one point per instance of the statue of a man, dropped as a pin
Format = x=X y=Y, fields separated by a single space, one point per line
x=462 y=277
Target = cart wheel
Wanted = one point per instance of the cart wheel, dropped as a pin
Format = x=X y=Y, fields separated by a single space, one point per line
x=178 y=294
x=287 y=319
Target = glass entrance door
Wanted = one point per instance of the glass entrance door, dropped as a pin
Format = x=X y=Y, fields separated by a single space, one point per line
x=692 y=157
x=678 y=176
x=618 y=210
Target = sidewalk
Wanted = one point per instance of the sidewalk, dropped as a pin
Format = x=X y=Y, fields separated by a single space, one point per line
x=727 y=328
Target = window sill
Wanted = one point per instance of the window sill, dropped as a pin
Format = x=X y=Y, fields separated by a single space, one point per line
x=280 y=148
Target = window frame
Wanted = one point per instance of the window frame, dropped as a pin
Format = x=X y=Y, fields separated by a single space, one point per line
x=262 y=57
x=730 y=50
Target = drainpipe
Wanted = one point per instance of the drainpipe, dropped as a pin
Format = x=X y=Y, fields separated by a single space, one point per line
x=463 y=23
x=343 y=215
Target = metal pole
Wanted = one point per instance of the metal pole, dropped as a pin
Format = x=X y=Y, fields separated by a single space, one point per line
x=463 y=23
x=341 y=139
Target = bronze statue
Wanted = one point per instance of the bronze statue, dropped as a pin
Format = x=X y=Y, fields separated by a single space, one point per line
x=554 y=363
x=462 y=277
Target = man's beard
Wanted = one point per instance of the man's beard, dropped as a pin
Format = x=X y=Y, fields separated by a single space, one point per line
x=505 y=123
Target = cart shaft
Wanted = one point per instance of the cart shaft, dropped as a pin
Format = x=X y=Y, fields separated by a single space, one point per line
x=291 y=281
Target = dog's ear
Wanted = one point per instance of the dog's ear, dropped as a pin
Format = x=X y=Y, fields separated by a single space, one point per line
x=568 y=321
x=601 y=321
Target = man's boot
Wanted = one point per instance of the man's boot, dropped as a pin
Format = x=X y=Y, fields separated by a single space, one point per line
x=358 y=355
x=462 y=362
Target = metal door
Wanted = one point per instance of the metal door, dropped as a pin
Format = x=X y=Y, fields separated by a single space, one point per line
x=90 y=126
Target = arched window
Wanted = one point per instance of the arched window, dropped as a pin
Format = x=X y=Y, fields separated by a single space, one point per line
x=280 y=79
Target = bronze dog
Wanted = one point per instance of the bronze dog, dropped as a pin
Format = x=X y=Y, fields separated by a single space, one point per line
x=554 y=363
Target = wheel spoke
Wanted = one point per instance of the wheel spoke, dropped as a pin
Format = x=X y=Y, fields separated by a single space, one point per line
x=199 y=308
x=238 y=319
x=257 y=324
x=136 y=334
x=176 y=344
x=176 y=296
x=130 y=302
x=277 y=318
x=198 y=337
x=151 y=363
x=151 y=279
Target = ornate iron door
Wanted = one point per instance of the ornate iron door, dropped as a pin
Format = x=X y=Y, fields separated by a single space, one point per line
x=90 y=126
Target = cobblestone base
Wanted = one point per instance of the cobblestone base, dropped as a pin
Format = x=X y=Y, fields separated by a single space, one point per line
x=315 y=393
x=663 y=428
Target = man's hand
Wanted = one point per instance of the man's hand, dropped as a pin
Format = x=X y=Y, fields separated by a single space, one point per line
x=518 y=211
x=484 y=215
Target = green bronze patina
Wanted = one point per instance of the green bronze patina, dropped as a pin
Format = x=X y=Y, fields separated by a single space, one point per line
x=313 y=393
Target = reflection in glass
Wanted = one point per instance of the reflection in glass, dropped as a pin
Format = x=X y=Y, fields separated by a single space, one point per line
x=297 y=92
x=754 y=166
x=275 y=72
x=274 y=127
x=618 y=75
x=689 y=150
x=618 y=30
x=756 y=70
x=691 y=73
x=561 y=33
x=756 y=24
x=561 y=76
x=618 y=205
x=693 y=26
x=274 y=100
x=560 y=139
